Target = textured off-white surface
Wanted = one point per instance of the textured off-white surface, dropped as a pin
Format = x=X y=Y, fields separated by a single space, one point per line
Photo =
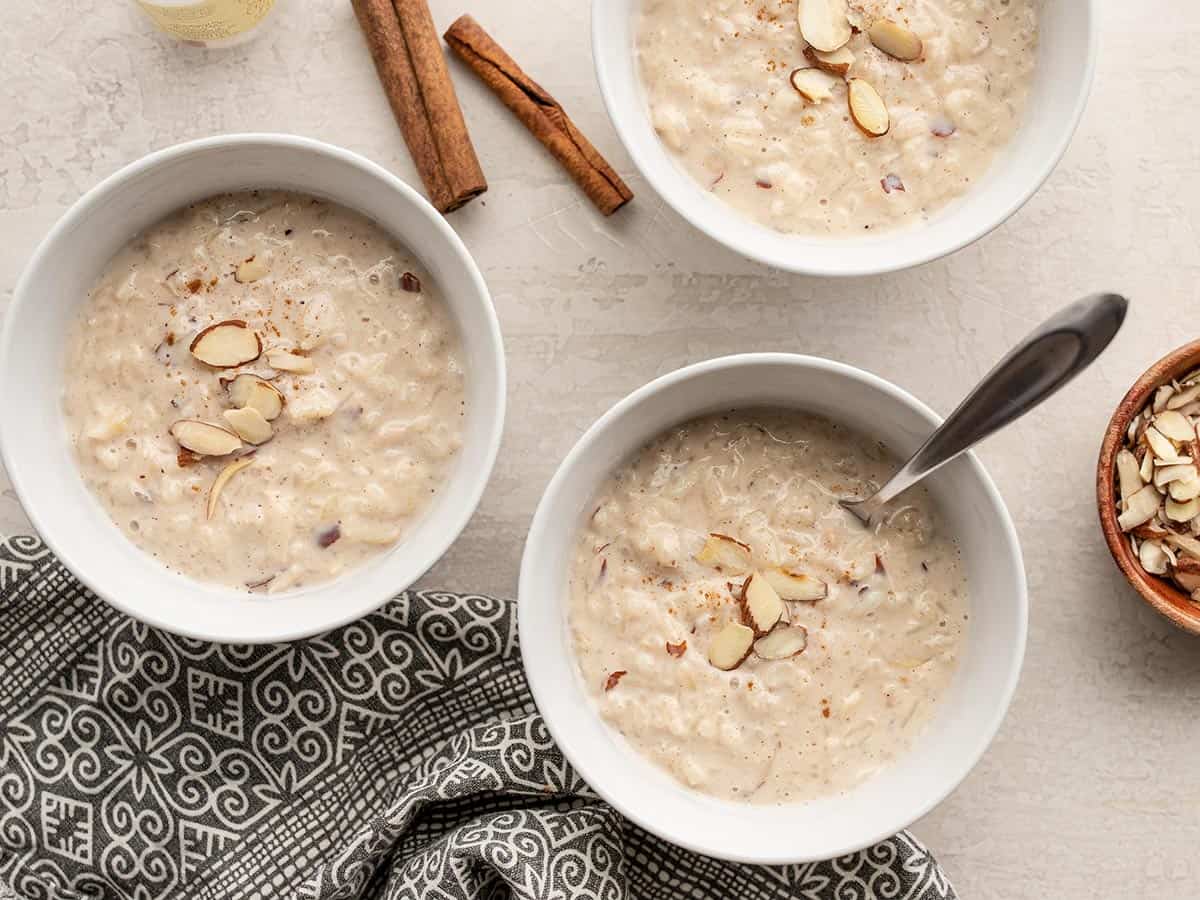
x=1092 y=785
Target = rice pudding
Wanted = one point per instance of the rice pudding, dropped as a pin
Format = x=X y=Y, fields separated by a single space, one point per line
x=264 y=390
x=744 y=632
x=763 y=118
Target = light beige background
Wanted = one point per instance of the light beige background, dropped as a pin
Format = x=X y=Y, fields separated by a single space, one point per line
x=1093 y=786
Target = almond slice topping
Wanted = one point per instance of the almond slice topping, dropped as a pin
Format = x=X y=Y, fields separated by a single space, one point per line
x=1164 y=475
x=205 y=438
x=1159 y=445
x=1140 y=508
x=731 y=646
x=793 y=585
x=1181 y=511
x=867 y=108
x=1174 y=426
x=782 y=643
x=226 y=344
x=824 y=23
x=255 y=392
x=1184 y=542
x=725 y=553
x=250 y=270
x=813 y=84
x=837 y=63
x=1185 y=489
x=1184 y=397
x=761 y=607
x=290 y=362
x=223 y=479
x=895 y=40
x=249 y=424
x=1128 y=474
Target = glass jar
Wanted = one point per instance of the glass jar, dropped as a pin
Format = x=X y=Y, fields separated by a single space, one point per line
x=209 y=23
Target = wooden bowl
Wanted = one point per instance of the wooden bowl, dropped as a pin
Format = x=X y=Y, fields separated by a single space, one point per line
x=1160 y=593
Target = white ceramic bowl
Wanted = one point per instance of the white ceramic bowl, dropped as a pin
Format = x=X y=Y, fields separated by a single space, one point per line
x=33 y=437
x=967 y=718
x=1066 y=59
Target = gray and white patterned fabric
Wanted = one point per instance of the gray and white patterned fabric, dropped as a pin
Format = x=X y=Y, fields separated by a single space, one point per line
x=399 y=756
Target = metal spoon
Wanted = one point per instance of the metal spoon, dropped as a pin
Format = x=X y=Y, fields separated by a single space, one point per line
x=1047 y=359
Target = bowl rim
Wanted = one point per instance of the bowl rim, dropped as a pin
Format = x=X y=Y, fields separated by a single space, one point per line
x=1159 y=594
x=530 y=561
x=497 y=374
x=750 y=249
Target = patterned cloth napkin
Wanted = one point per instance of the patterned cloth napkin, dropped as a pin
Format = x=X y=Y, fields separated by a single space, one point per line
x=399 y=756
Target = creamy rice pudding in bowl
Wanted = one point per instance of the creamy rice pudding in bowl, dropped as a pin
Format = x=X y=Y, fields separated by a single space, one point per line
x=845 y=137
x=261 y=388
x=728 y=657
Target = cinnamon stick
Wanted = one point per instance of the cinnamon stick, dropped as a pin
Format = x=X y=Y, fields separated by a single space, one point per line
x=540 y=113
x=408 y=57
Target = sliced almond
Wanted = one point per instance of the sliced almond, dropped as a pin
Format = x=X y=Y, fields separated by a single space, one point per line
x=223 y=477
x=824 y=23
x=1174 y=426
x=250 y=270
x=249 y=424
x=226 y=344
x=1128 y=475
x=290 y=362
x=895 y=40
x=867 y=108
x=1161 y=396
x=1178 y=511
x=1185 y=397
x=782 y=643
x=725 y=553
x=813 y=84
x=1159 y=445
x=1153 y=557
x=205 y=438
x=255 y=392
x=793 y=585
x=1147 y=467
x=1184 y=542
x=1164 y=475
x=761 y=607
x=730 y=647
x=1176 y=460
x=837 y=63
x=1139 y=508
x=1185 y=489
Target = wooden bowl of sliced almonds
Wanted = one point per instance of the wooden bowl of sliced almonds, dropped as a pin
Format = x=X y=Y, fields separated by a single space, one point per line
x=1148 y=486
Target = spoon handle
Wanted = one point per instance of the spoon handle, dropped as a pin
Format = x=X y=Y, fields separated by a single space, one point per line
x=1057 y=351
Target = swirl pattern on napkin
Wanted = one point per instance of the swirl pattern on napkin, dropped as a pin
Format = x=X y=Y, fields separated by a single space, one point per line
x=398 y=756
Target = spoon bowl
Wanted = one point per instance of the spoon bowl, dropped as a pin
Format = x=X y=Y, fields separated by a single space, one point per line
x=1049 y=357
